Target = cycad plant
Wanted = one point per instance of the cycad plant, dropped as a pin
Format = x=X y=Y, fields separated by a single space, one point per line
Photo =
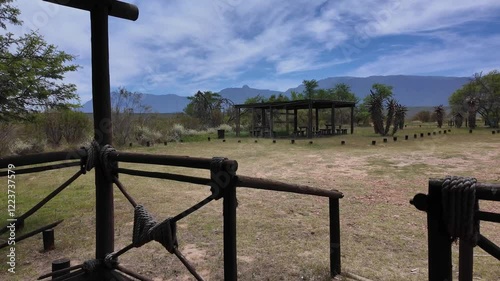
x=439 y=110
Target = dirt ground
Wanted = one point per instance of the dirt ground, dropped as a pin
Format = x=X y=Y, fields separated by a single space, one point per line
x=284 y=236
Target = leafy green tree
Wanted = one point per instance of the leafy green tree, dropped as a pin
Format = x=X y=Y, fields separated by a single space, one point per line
x=482 y=96
x=209 y=108
x=296 y=96
x=310 y=88
x=31 y=71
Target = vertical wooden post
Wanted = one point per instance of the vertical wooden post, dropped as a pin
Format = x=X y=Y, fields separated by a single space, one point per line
x=295 y=125
x=439 y=243
x=271 y=123
x=332 y=116
x=103 y=133
x=58 y=265
x=287 y=122
x=466 y=261
x=48 y=239
x=238 y=112
x=352 y=120
x=317 y=119
x=335 y=264
x=309 y=120
x=229 y=213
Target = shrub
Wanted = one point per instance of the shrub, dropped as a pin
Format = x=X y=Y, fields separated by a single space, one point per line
x=21 y=147
x=225 y=127
x=7 y=134
x=144 y=135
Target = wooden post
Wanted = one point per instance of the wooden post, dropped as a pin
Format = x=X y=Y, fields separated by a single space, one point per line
x=466 y=261
x=439 y=242
x=238 y=113
x=332 y=117
x=352 y=120
x=229 y=213
x=335 y=264
x=309 y=120
x=287 y=123
x=271 y=123
x=295 y=125
x=317 y=119
x=48 y=239
x=105 y=234
x=253 y=123
x=60 y=264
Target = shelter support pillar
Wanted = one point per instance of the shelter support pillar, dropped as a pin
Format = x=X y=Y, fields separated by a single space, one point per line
x=309 y=120
x=352 y=120
x=317 y=119
x=286 y=121
x=271 y=122
x=295 y=125
x=238 y=112
x=332 y=117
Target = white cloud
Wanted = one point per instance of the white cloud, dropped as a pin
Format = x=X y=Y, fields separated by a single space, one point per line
x=182 y=46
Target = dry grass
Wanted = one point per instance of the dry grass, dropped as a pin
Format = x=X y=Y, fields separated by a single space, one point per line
x=280 y=236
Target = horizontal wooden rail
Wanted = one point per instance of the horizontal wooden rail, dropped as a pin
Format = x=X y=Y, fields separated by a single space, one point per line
x=41 y=169
x=39 y=158
x=167 y=176
x=32 y=233
x=489 y=246
x=484 y=191
x=250 y=182
x=488 y=216
x=170 y=160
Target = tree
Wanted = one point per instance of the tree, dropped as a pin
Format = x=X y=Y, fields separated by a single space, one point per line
x=210 y=108
x=31 y=71
x=423 y=116
x=440 y=111
x=480 y=96
x=379 y=95
x=310 y=88
x=127 y=112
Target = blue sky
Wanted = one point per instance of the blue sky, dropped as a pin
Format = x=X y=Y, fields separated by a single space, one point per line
x=179 y=47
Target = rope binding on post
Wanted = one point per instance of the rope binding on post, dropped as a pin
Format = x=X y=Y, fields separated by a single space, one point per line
x=95 y=154
x=147 y=229
x=460 y=204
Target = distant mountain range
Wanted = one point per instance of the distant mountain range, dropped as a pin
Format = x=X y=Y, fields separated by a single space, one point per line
x=411 y=91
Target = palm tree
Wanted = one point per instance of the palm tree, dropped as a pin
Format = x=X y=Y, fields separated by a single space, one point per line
x=310 y=88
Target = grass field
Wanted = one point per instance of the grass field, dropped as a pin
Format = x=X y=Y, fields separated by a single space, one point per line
x=281 y=236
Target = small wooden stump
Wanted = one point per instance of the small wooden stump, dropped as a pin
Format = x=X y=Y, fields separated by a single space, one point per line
x=48 y=240
x=385 y=140
x=292 y=141
x=182 y=140
x=444 y=132
x=239 y=141
x=374 y=142
x=60 y=264
x=274 y=141
x=310 y=142
x=415 y=136
x=434 y=133
x=165 y=143
x=470 y=131
x=439 y=132
x=449 y=130
x=395 y=138
x=256 y=141
x=492 y=132
x=406 y=137
x=342 y=143
x=208 y=138
x=224 y=140
x=148 y=144
x=130 y=144
x=428 y=134
x=421 y=135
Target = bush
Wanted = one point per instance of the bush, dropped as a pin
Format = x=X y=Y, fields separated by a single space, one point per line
x=143 y=135
x=7 y=134
x=21 y=147
x=225 y=127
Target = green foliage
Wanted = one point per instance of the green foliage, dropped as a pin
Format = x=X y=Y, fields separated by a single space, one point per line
x=423 y=116
x=61 y=125
x=31 y=71
x=396 y=113
x=211 y=109
x=481 y=95
x=310 y=88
